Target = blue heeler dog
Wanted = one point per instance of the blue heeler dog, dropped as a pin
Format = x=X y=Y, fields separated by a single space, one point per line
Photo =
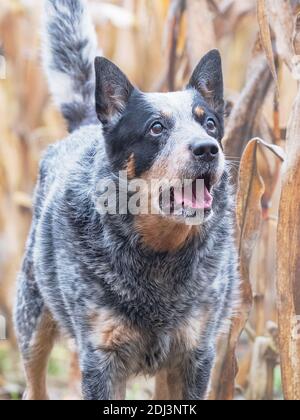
x=139 y=294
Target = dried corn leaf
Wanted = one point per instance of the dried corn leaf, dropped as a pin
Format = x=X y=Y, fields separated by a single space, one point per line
x=265 y=35
x=249 y=220
x=282 y=22
x=241 y=124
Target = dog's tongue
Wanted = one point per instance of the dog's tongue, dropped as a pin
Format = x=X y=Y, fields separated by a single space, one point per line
x=203 y=202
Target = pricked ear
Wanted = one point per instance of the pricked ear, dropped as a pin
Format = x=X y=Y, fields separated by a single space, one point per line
x=208 y=80
x=113 y=90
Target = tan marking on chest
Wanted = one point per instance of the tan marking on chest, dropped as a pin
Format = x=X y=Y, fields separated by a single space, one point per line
x=189 y=334
x=163 y=235
x=111 y=333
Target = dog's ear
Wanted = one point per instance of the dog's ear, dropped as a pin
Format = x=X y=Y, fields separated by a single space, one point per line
x=208 y=80
x=113 y=90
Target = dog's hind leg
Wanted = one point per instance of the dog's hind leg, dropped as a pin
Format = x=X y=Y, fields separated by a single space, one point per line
x=161 y=392
x=36 y=358
x=168 y=385
x=188 y=380
x=36 y=332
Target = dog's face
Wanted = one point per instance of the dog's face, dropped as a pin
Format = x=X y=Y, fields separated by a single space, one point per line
x=165 y=135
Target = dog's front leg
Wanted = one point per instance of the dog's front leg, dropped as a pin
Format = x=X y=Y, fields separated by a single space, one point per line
x=197 y=374
x=101 y=379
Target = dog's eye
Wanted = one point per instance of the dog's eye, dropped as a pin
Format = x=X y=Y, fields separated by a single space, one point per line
x=211 y=125
x=156 y=129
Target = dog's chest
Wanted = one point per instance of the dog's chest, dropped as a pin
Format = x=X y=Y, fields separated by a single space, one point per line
x=153 y=310
x=163 y=292
x=143 y=350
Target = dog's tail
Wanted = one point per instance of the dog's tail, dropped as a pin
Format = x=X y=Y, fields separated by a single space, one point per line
x=69 y=50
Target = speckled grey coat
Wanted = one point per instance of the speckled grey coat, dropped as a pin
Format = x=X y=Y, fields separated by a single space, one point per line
x=129 y=308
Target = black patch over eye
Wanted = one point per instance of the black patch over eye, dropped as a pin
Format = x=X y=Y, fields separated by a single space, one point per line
x=157 y=129
x=211 y=126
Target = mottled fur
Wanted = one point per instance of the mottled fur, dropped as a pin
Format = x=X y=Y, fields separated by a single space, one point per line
x=131 y=308
x=69 y=49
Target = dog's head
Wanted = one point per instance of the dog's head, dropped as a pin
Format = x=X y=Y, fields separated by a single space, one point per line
x=165 y=135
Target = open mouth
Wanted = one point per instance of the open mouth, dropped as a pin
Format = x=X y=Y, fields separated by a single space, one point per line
x=198 y=196
x=191 y=196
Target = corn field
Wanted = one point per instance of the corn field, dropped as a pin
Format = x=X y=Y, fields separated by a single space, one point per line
x=157 y=43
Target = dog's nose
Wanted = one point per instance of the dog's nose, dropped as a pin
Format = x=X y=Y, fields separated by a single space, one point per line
x=206 y=150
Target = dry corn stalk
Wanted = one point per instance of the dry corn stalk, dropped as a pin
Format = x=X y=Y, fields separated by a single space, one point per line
x=288 y=257
x=249 y=219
